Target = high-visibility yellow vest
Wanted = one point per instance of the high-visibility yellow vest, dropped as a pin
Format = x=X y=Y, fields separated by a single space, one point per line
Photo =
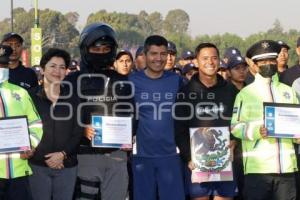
x=15 y=101
x=270 y=155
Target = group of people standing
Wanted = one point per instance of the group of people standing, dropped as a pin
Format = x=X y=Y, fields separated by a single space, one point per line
x=163 y=105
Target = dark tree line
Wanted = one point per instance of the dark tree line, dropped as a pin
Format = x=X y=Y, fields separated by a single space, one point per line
x=60 y=30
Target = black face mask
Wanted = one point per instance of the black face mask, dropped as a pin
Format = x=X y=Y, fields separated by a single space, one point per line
x=100 y=61
x=267 y=71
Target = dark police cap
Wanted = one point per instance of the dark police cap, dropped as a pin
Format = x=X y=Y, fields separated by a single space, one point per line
x=235 y=61
x=223 y=65
x=188 y=67
x=264 y=49
x=5 y=52
x=186 y=55
x=231 y=51
x=172 y=47
x=38 y=72
x=9 y=35
x=139 y=51
x=177 y=68
x=283 y=44
x=124 y=52
x=73 y=65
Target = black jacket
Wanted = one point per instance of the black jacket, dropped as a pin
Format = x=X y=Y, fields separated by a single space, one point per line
x=290 y=75
x=105 y=91
x=23 y=77
x=59 y=135
x=208 y=107
x=249 y=78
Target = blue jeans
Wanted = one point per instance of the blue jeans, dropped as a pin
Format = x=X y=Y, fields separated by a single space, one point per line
x=56 y=183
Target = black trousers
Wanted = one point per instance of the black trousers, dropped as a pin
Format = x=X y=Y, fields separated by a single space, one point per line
x=297 y=151
x=238 y=169
x=15 y=189
x=270 y=187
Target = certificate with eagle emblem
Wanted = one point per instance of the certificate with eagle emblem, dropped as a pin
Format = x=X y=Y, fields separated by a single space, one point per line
x=211 y=154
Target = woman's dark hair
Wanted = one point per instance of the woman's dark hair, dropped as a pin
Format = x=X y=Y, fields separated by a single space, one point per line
x=54 y=52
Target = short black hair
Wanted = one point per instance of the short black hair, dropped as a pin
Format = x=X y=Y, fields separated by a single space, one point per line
x=156 y=40
x=54 y=52
x=206 y=45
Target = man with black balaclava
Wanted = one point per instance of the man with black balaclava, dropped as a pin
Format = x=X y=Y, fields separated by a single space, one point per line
x=102 y=172
x=269 y=163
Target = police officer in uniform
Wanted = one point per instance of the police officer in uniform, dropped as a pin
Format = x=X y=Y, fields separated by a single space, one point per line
x=283 y=56
x=139 y=61
x=102 y=172
x=269 y=163
x=292 y=74
x=171 y=59
x=18 y=74
x=237 y=69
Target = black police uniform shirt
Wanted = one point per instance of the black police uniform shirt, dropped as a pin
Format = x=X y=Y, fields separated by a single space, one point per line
x=290 y=75
x=249 y=78
x=22 y=76
x=231 y=83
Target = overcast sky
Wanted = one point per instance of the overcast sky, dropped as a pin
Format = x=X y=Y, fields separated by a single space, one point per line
x=206 y=16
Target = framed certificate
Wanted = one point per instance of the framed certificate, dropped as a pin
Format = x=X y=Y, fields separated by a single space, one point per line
x=14 y=134
x=210 y=154
x=112 y=132
x=282 y=120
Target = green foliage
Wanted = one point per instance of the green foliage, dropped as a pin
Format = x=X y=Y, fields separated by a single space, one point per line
x=176 y=21
x=129 y=38
x=72 y=17
x=182 y=41
x=131 y=29
x=56 y=29
x=60 y=30
x=275 y=33
x=155 y=20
